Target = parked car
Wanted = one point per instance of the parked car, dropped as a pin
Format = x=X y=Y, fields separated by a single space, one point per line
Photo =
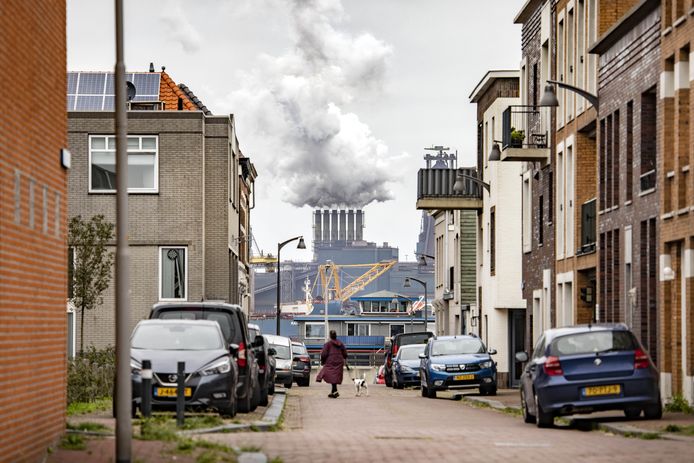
x=283 y=359
x=265 y=356
x=233 y=323
x=588 y=368
x=301 y=364
x=211 y=372
x=457 y=362
x=398 y=341
x=406 y=366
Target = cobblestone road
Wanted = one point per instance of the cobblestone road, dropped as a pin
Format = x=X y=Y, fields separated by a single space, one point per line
x=399 y=426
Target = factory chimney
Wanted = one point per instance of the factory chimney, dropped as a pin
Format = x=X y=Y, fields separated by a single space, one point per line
x=317 y=232
x=334 y=227
x=343 y=225
x=359 y=231
x=350 y=225
x=326 y=227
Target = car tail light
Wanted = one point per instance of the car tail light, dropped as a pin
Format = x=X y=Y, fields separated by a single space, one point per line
x=552 y=366
x=304 y=358
x=641 y=359
x=242 y=355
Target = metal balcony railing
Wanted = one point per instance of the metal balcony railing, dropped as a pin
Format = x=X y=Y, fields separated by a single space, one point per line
x=524 y=127
x=438 y=183
x=588 y=227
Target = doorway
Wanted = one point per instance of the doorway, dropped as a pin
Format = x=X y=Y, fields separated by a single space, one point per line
x=516 y=343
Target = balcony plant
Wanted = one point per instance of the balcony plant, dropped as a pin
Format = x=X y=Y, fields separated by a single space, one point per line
x=517 y=137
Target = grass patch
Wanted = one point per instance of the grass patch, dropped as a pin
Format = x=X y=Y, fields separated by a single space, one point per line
x=512 y=411
x=87 y=426
x=643 y=435
x=686 y=429
x=679 y=404
x=279 y=424
x=250 y=448
x=276 y=460
x=73 y=442
x=158 y=428
x=202 y=422
x=83 y=408
x=213 y=456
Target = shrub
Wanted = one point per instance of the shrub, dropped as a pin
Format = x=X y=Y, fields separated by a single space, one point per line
x=91 y=375
x=678 y=404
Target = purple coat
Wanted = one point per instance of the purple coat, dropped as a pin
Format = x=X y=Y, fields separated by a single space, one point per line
x=332 y=357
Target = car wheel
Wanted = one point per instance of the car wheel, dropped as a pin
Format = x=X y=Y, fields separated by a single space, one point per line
x=264 y=396
x=228 y=411
x=244 y=404
x=483 y=390
x=306 y=382
x=255 y=400
x=491 y=390
x=431 y=393
x=288 y=385
x=271 y=387
x=653 y=412
x=389 y=380
x=425 y=393
x=527 y=417
x=632 y=413
x=544 y=420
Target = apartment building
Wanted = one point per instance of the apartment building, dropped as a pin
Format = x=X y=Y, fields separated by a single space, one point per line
x=188 y=205
x=676 y=198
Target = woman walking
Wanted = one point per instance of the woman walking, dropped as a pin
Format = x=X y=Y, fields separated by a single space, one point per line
x=332 y=357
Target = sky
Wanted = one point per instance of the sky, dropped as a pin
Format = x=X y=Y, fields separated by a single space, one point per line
x=334 y=100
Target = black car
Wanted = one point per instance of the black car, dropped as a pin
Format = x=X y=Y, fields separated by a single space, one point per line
x=265 y=355
x=397 y=341
x=233 y=323
x=210 y=370
x=301 y=364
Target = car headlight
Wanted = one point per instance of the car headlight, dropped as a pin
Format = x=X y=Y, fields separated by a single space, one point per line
x=216 y=368
x=486 y=364
x=406 y=369
x=135 y=367
x=438 y=366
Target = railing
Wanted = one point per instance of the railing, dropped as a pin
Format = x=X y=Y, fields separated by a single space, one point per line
x=588 y=228
x=648 y=180
x=524 y=127
x=439 y=183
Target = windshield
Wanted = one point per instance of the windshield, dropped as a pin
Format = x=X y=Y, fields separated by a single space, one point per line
x=592 y=342
x=282 y=352
x=176 y=337
x=223 y=318
x=457 y=346
x=300 y=350
x=410 y=352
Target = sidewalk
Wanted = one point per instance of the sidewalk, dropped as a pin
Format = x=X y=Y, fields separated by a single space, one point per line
x=612 y=421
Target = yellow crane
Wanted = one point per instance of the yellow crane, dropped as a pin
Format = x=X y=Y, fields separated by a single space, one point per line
x=329 y=276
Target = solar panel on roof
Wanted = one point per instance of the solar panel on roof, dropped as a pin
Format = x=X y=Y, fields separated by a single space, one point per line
x=95 y=91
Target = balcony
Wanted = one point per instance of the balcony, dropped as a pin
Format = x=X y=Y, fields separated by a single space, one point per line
x=588 y=228
x=435 y=190
x=525 y=134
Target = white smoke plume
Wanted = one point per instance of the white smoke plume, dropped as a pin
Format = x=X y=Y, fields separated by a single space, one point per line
x=292 y=105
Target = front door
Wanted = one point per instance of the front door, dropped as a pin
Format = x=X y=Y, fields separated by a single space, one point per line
x=516 y=342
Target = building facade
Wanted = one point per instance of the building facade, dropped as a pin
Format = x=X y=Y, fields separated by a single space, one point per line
x=33 y=229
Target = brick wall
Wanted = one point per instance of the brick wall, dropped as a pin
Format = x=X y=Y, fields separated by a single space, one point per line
x=33 y=255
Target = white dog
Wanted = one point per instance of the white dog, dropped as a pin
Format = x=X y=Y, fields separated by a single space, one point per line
x=360 y=384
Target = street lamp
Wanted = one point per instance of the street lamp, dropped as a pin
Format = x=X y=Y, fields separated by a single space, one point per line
x=326 y=298
x=301 y=245
x=549 y=98
x=426 y=301
x=461 y=176
x=422 y=257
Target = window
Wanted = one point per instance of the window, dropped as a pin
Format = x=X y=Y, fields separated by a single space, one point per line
x=357 y=329
x=396 y=329
x=541 y=221
x=492 y=240
x=527 y=214
x=630 y=151
x=315 y=330
x=173 y=273
x=142 y=164
x=648 y=140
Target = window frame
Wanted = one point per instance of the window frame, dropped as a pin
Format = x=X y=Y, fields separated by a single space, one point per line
x=185 y=288
x=154 y=189
x=368 y=329
x=307 y=324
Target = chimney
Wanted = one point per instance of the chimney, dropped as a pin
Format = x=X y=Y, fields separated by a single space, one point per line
x=343 y=225
x=350 y=225
x=317 y=232
x=326 y=226
x=359 y=231
x=333 y=225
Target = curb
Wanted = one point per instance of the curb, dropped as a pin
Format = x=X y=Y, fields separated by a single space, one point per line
x=489 y=402
x=632 y=431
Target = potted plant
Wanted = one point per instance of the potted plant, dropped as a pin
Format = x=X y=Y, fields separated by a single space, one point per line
x=517 y=137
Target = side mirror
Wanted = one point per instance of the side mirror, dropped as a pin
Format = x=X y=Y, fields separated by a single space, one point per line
x=234 y=349
x=258 y=341
x=422 y=356
x=491 y=351
x=271 y=351
x=522 y=357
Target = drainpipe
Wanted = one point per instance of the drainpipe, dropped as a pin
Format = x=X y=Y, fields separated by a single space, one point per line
x=204 y=215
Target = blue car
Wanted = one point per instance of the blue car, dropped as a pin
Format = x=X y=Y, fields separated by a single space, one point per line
x=589 y=368
x=406 y=366
x=457 y=362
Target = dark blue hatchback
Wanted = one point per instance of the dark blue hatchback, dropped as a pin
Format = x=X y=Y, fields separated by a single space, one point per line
x=589 y=368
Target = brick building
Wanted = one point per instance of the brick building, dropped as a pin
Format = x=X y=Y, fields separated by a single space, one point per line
x=33 y=250
x=628 y=81
x=185 y=175
x=676 y=197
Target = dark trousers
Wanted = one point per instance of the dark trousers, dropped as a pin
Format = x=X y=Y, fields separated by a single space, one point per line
x=334 y=388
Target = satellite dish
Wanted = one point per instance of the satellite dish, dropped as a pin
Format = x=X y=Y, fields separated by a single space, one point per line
x=131 y=90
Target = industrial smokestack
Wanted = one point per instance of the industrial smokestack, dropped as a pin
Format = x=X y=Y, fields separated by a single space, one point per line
x=317 y=232
x=326 y=226
x=343 y=225
x=350 y=225
x=334 y=227
x=359 y=231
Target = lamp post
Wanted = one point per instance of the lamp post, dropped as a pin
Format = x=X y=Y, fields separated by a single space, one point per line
x=426 y=301
x=326 y=299
x=549 y=98
x=460 y=176
x=301 y=245
x=422 y=257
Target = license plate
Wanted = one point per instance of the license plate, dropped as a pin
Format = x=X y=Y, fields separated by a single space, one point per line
x=463 y=377
x=171 y=392
x=610 y=389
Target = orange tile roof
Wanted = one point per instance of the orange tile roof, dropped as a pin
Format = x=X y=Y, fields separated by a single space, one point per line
x=169 y=93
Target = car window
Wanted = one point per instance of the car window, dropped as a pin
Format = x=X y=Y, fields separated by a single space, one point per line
x=252 y=333
x=539 y=349
x=592 y=342
x=457 y=346
x=177 y=315
x=301 y=350
x=410 y=352
x=225 y=320
x=283 y=352
x=412 y=338
x=176 y=337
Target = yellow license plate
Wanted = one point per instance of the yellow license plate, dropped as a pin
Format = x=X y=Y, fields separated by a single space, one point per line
x=463 y=377
x=171 y=392
x=611 y=389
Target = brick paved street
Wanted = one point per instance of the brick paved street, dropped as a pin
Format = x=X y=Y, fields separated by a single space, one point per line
x=395 y=425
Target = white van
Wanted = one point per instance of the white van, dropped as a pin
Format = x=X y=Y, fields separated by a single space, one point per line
x=283 y=358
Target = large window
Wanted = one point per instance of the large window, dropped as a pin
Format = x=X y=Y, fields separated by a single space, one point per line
x=357 y=329
x=173 y=273
x=315 y=331
x=396 y=329
x=142 y=164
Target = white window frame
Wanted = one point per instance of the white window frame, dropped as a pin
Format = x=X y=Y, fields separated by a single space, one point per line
x=368 y=329
x=307 y=324
x=185 y=295
x=153 y=190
